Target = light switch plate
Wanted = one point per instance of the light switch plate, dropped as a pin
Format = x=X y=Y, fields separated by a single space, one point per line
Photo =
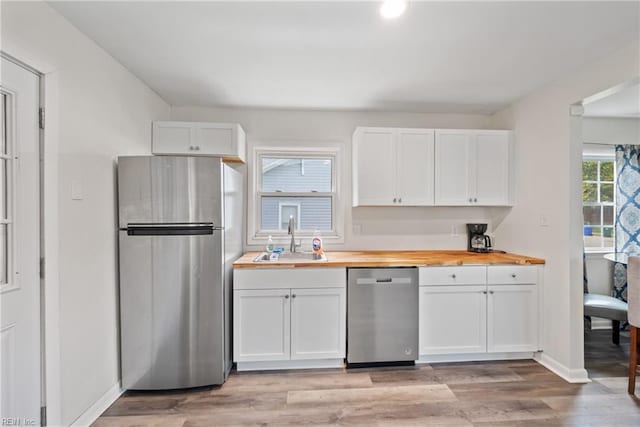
x=76 y=190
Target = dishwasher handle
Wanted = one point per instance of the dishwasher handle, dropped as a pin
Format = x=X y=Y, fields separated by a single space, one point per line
x=385 y=280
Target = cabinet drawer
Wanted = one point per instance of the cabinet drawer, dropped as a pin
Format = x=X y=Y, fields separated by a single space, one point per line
x=511 y=275
x=464 y=275
x=279 y=278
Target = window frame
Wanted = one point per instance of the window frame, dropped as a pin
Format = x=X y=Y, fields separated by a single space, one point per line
x=258 y=236
x=599 y=182
x=10 y=157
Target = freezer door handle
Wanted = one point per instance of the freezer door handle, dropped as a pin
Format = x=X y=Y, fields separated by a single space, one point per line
x=172 y=231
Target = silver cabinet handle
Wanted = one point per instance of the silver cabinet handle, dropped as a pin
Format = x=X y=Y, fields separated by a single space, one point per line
x=191 y=147
x=293 y=295
x=475 y=199
x=491 y=292
x=400 y=200
x=394 y=200
x=470 y=200
x=484 y=292
x=286 y=297
x=453 y=276
x=513 y=275
x=197 y=147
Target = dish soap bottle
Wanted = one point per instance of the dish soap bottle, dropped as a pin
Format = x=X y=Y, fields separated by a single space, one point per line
x=316 y=245
x=269 y=247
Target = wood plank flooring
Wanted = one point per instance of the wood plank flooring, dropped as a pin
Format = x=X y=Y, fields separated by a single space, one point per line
x=518 y=393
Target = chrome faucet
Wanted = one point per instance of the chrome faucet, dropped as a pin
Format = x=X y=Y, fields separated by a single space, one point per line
x=292 y=231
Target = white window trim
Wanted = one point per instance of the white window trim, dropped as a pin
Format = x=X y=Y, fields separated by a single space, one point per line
x=289 y=204
x=602 y=158
x=256 y=236
x=10 y=157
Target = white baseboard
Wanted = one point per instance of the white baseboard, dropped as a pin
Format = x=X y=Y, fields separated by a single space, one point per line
x=289 y=364
x=569 y=375
x=90 y=415
x=477 y=357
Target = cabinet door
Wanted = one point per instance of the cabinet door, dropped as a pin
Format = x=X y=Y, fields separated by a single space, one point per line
x=261 y=325
x=512 y=318
x=453 y=319
x=374 y=167
x=454 y=167
x=215 y=138
x=173 y=138
x=318 y=323
x=414 y=167
x=492 y=168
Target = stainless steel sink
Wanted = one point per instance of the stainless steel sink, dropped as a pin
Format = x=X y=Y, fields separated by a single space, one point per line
x=289 y=257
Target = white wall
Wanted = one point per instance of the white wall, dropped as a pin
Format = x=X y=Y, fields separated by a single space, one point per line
x=96 y=110
x=596 y=130
x=548 y=152
x=365 y=227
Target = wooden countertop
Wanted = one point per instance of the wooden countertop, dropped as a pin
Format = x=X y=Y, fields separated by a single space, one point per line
x=393 y=259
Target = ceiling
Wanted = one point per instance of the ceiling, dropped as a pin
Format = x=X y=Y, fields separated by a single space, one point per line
x=623 y=104
x=466 y=57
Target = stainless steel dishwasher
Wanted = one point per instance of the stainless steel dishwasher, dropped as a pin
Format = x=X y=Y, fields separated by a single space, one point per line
x=382 y=316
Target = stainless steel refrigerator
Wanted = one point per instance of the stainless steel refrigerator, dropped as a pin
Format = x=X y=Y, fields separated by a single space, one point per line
x=180 y=229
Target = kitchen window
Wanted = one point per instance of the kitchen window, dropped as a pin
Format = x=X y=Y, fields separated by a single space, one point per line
x=598 y=203
x=298 y=183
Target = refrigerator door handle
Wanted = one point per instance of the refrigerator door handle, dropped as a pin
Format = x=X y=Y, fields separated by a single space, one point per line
x=171 y=230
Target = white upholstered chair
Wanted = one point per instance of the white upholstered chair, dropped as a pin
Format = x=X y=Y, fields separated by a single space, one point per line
x=633 y=298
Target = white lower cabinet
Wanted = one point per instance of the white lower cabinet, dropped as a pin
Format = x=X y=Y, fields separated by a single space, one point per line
x=262 y=320
x=318 y=319
x=512 y=318
x=488 y=310
x=289 y=327
x=453 y=319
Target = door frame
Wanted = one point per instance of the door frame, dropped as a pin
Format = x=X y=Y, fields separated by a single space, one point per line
x=49 y=285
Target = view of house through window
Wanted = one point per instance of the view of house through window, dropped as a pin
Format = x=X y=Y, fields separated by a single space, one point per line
x=598 y=202
x=299 y=186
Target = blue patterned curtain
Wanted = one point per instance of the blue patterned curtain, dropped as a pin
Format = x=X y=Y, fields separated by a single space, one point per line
x=627 y=211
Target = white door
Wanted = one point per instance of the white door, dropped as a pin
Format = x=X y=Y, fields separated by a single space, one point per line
x=374 y=167
x=512 y=318
x=261 y=325
x=453 y=319
x=454 y=167
x=20 y=357
x=414 y=170
x=318 y=323
x=492 y=168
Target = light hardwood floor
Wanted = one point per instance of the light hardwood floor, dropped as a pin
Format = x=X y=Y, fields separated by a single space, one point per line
x=464 y=394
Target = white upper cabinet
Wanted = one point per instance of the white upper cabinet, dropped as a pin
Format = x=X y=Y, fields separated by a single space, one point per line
x=472 y=168
x=393 y=167
x=226 y=140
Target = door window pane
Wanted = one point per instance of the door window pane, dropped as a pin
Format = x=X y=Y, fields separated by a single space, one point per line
x=606 y=171
x=590 y=171
x=606 y=192
x=589 y=192
x=591 y=215
x=300 y=175
x=3 y=189
x=4 y=253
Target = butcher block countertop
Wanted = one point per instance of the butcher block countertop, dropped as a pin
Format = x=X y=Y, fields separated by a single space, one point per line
x=393 y=259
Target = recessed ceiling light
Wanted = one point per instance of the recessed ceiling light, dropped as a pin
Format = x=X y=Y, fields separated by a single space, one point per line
x=391 y=9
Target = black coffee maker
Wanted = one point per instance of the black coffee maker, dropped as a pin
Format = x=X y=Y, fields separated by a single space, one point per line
x=478 y=241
